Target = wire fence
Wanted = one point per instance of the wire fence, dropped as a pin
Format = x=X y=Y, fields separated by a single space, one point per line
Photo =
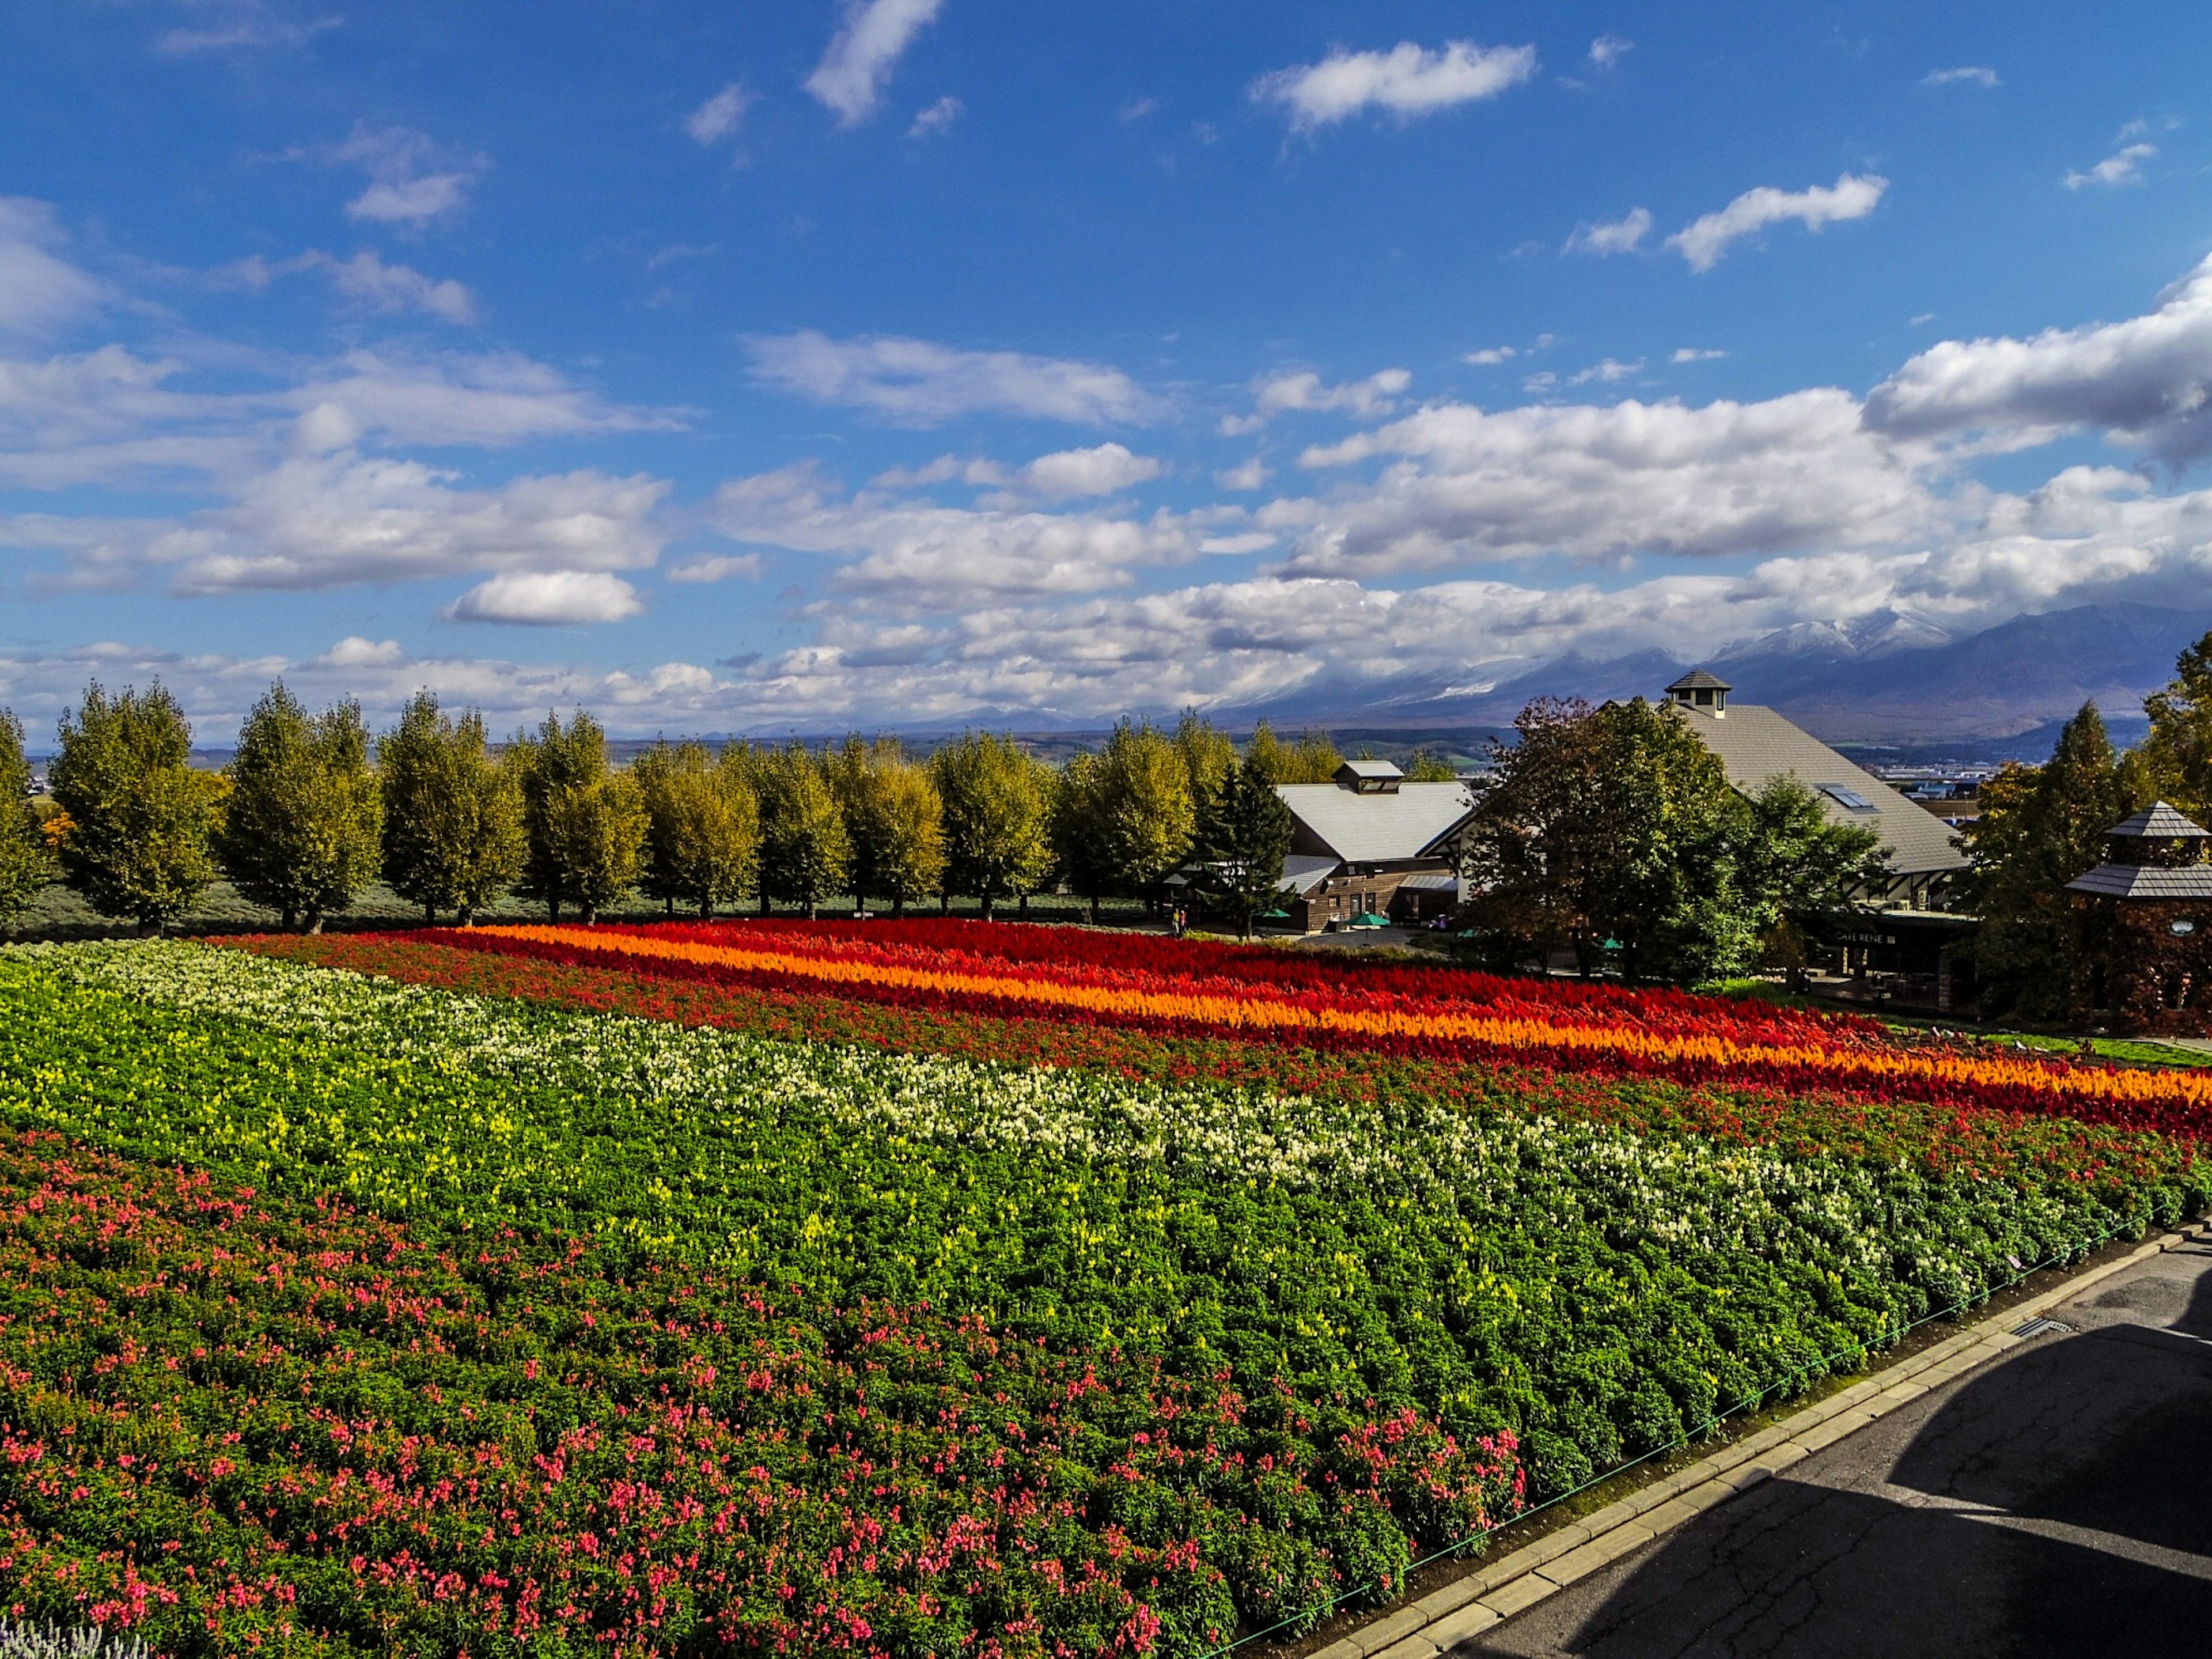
x=1822 y=1367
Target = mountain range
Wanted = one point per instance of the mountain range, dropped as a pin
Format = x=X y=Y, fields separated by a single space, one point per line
x=1887 y=678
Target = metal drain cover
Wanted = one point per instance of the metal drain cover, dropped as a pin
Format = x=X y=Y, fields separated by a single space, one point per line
x=2041 y=1327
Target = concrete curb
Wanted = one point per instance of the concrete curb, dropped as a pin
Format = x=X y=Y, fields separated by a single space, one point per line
x=1437 y=1622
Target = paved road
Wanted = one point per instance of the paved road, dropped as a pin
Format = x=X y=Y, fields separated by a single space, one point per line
x=2056 y=1504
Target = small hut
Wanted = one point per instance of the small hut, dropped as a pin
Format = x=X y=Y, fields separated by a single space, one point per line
x=2145 y=915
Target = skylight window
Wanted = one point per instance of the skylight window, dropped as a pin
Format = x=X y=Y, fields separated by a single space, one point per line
x=1847 y=798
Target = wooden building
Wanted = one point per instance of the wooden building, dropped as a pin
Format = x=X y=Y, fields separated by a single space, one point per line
x=1372 y=845
x=2143 y=950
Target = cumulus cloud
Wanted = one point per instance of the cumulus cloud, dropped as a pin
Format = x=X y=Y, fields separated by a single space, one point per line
x=1407 y=81
x=547 y=598
x=2147 y=381
x=1704 y=240
x=1251 y=474
x=937 y=117
x=414 y=182
x=719 y=114
x=1971 y=75
x=1609 y=48
x=921 y=383
x=39 y=290
x=2123 y=166
x=1067 y=474
x=1619 y=235
x=849 y=80
x=1603 y=483
x=1605 y=372
x=382 y=287
x=1488 y=356
x=1293 y=390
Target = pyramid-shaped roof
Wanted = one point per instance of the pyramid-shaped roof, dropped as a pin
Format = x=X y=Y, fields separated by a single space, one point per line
x=2159 y=822
x=1700 y=680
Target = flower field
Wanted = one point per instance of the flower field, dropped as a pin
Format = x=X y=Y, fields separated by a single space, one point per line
x=480 y=1293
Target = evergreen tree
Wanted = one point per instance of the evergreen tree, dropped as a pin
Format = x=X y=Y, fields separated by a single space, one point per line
x=1244 y=840
x=895 y=818
x=452 y=814
x=2173 y=764
x=302 y=829
x=998 y=803
x=703 y=834
x=26 y=867
x=806 y=854
x=139 y=816
x=2039 y=828
x=585 y=826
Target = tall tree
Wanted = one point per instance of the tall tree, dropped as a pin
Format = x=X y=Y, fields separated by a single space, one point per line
x=1312 y=759
x=585 y=825
x=1149 y=822
x=1427 y=765
x=702 y=836
x=2039 y=828
x=1077 y=831
x=1242 y=842
x=302 y=829
x=1208 y=756
x=26 y=867
x=1797 y=868
x=1613 y=825
x=895 y=818
x=452 y=814
x=998 y=817
x=806 y=854
x=140 y=816
x=2174 y=763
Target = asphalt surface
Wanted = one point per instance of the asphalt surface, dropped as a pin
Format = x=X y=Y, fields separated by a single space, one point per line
x=2058 y=1503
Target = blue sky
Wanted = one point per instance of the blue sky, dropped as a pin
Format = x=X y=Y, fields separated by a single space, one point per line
x=773 y=367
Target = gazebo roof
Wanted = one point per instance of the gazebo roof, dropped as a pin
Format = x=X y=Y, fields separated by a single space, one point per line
x=2159 y=822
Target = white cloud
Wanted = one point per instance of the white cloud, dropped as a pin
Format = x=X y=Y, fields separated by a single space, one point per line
x=1605 y=372
x=1069 y=473
x=730 y=566
x=1609 y=48
x=1972 y=75
x=850 y=79
x=1619 y=235
x=547 y=598
x=719 y=114
x=1252 y=475
x=937 y=117
x=2147 y=381
x=1407 y=81
x=367 y=278
x=244 y=26
x=1488 y=356
x=1706 y=240
x=1694 y=355
x=488 y=400
x=39 y=290
x=413 y=181
x=1604 y=483
x=920 y=383
x=2123 y=166
x=1302 y=389
x=1136 y=110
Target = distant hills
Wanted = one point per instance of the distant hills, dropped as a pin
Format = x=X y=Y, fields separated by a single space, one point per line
x=1888 y=679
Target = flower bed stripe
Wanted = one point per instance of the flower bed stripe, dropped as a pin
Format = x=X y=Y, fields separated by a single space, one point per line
x=2175 y=1102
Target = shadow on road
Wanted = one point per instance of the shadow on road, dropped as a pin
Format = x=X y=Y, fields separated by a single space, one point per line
x=2055 y=1505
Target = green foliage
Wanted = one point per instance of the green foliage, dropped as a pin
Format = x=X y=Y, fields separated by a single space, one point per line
x=1243 y=839
x=1143 y=821
x=1796 y=868
x=805 y=856
x=998 y=804
x=302 y=827
x=1431 y=766
x=1208 y=757
x=1312 y=759
x=2174 y=761
x=26 y=867
x=2039 y=828
x=452 y=815
x=1617 y=824
x=895 y=819
x=140 y=815
x=585 y=826
x=702 y=827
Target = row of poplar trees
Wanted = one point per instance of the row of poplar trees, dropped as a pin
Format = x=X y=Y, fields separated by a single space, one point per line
x=313 y=810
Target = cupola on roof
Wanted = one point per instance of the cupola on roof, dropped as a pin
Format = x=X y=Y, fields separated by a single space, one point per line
x=1700 y=688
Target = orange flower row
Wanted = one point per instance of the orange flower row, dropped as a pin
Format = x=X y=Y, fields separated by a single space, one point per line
x=1260 y=1013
